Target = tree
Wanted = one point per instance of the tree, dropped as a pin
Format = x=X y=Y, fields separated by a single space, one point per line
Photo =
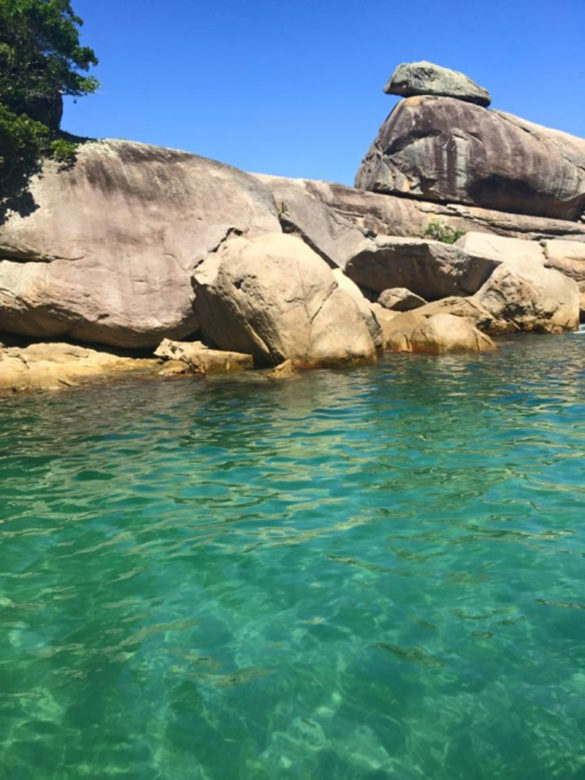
x=41 y=60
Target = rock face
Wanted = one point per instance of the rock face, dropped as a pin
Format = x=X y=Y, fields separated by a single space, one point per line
x=425 y=78
x=568 y=257
x=400 y=299
x=108 y=252
x=522 y=294
x=201 y=359
x=274 y=298
x=333 y=219
x=55 y=366
x=437 y=334
x=347 y=285
x=445 y=150
x=428 y=268
x=469 y=308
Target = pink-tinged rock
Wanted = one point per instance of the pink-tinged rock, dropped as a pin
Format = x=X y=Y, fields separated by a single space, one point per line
x=108 y=252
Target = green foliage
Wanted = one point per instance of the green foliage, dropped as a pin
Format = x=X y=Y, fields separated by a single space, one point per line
x=40 y=54
x=438 y=231
x=40 y=61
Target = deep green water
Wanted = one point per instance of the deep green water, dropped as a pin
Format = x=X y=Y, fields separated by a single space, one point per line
x=374 y=574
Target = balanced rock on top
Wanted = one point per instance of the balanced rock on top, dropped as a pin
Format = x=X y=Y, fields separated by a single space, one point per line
x=426 y=78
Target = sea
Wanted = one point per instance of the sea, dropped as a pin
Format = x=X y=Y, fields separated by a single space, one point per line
x=349 y=574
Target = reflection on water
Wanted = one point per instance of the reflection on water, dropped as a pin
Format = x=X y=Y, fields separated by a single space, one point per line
x=366 y=574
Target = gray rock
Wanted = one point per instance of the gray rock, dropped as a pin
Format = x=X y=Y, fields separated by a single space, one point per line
x=430 y=269
x=108 y=252
x=449 y=151
x=276 y=299
x=400 y=299
x=426 y=78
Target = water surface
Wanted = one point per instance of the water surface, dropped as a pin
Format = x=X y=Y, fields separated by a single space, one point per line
x=371 y=574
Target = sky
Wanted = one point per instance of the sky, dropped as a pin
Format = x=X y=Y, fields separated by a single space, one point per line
x=294 y=87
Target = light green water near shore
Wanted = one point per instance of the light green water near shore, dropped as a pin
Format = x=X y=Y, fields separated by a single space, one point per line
x=370 y=574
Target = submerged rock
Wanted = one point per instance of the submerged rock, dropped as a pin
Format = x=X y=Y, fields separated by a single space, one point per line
x=274 y=298
x=426 y=78
x=445 y=150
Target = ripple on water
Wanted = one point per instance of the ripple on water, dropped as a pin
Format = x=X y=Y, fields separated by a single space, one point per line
x=364 y=574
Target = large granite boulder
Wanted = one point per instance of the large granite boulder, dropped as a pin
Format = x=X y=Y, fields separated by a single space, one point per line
x=436 y=335
x=446 y=150
x=107 y=252
x=428 y=268
x=523 y=294
x=426 y=78
x=276 y=299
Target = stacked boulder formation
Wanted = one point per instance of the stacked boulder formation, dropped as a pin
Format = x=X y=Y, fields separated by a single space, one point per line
x=465 y=223
x=444 y=146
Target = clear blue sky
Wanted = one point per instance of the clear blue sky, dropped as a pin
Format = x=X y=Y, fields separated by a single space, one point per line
x=294 y=87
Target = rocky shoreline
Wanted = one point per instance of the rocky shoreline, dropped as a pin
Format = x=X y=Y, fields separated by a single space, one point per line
x=465 y=224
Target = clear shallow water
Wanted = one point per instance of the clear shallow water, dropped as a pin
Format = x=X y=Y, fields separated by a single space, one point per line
x=368 y=574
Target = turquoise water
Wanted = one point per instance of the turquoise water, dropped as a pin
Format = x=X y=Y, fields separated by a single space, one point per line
x=375 y=573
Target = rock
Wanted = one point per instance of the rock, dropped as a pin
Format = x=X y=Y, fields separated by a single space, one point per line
x=500 y=249
x=107 y=253
x=303 y=212
x=283 y=370
x=425 y=78
x=469 y=308
x=568 y=257
x=523 y=294
x=275 y=298
x=400 y=299
x=364 y=306
x=430 y=269
x=445 y=150
x=201 y=359
x=384 y=317
x=438 y=334
x=49 y=366
x=333 y=219
x=174 y=368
